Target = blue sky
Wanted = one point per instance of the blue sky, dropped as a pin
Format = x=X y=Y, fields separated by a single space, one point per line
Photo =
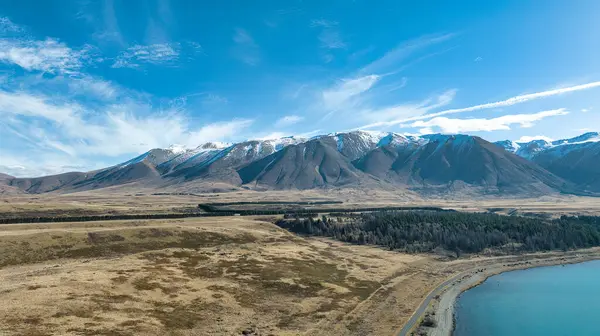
x=87 y=84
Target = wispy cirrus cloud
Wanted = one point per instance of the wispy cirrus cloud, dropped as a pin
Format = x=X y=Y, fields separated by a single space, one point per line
x=385 y=116
x=518 y=99
x=155 y=54
x=270 y=136
x=7 y=26
x=44 y=163
x=72 y=129
x=94 y=88
x=357 y=93
x=245 y=48
x=74 y=117
x=446 y=125
x=136 y=55
x=393 y=59
x=50 y=55
x=109 y=30
x=503 y=103
x=323 y=23
x=330 y=38
x=336 y=97
x=288 y=120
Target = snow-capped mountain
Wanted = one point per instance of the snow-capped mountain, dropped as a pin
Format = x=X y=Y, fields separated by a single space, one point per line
x=530 y=149
x=575 y=159
x=423 y=163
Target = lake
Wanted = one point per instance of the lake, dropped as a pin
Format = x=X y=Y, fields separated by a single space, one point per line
x=555 y=300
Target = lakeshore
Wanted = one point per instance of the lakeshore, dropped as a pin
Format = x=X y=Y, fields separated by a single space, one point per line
x=441 y=307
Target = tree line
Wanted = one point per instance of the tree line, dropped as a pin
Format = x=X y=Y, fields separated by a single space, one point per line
x=425 y=231
x=209 y=210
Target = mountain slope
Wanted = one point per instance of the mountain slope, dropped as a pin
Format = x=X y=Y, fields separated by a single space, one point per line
x=447 y=160
x=392 y=152
x=316 y=163
x=429 y=163
x=222 y=164
x=140 y=168
x=6 y=188
x=575 y=159
x=578 y=163
x=530 y=149
x=48 y=183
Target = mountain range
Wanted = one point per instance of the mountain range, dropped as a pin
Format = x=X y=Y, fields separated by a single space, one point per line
x=426 y=164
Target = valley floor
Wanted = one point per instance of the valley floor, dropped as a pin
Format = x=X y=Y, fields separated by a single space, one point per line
x=220 y=276
x=216 y=276
x=109 y=202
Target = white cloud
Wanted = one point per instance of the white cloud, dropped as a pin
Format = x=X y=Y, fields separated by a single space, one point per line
x=586 y=110
x=7 y=26
x=323 y=23
x=447 y=125
x=217 y=132
x=156 y=54
x=43 y=164
x=394 y=57
x=331 y=39
x=116 y=130
x=161 y=53
x=245 y=48
x=508 y=102
x=511 y=101
x=585 y=130
x=396 y=86
x=335 y=97
x=288 y=120
x=327 y=58
x=478 y=59
x=50 y=55
x=214 y=99
x=195 y=46
x=95 y=87
x=109 y=27
x=19 y=103
x=526 y=138
x=386 y=116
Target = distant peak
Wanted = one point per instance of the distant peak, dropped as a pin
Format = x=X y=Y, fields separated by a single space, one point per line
x=214 y=145
x=589 y=136
x=177 y=149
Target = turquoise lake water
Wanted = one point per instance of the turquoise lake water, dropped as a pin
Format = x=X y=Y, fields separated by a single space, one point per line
x=556 y=300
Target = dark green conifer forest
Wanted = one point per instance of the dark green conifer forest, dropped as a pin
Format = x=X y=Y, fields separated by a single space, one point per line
x=424 y=231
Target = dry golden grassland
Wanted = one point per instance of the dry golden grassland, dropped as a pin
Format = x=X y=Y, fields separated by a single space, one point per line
x=215 y=276
x=222 y=276
x=102 y=202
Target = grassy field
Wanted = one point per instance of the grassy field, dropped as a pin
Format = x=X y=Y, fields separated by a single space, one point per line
x=216 y=276
x=149 y=202
x=222 y=276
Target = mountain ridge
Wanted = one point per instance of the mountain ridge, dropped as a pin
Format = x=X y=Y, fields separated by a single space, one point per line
x=427 y=163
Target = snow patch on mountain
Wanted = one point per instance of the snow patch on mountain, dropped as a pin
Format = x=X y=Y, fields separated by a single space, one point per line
x=177 y=149
x=281 y=143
